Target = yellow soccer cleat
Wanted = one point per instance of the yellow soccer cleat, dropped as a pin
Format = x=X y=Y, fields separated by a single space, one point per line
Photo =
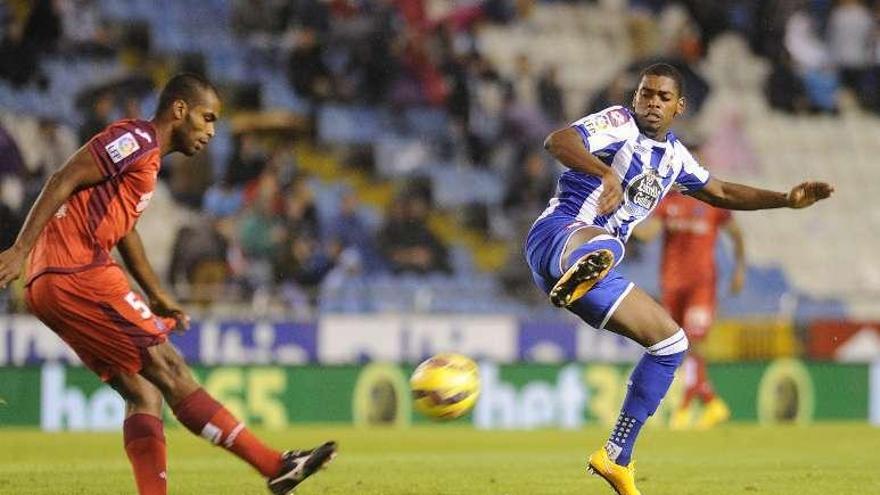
x=621 y=478
x=715 y=413
x=680 y=419
x=581 y=277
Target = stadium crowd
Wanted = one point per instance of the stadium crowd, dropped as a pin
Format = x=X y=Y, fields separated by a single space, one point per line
x=267 y=224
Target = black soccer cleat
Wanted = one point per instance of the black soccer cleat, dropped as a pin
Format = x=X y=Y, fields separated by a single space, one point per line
x=297 y=465
x=581 y=277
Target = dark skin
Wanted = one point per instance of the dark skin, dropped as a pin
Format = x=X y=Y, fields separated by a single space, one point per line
x=181 y=127
x=656 y=103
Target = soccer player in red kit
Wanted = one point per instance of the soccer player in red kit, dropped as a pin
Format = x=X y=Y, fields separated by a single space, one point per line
x=688 y=276
x=87 y=207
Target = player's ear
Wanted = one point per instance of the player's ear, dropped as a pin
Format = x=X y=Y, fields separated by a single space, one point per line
x=179 y=109
x=680 y=106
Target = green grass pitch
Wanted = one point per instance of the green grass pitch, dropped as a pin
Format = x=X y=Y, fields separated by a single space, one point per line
x=452 y=460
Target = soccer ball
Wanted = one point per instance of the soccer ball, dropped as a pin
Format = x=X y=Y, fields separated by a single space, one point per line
x=445 y=386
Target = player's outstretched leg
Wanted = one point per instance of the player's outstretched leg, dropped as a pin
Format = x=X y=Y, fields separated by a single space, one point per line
x=144 y=439
x=298 y=465
x=584 y=267
x=640 y=318
x=649 y=382
x=204 y=416
x=142 y=433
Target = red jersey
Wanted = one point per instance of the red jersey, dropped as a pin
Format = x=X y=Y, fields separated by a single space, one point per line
x=690 y=230
x=87 y=227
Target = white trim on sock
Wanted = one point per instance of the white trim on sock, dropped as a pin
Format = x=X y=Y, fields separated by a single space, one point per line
x=678 y=342
x=230 y=439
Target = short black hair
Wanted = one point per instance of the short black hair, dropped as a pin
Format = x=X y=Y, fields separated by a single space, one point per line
x=665 y=70
x=186 y=86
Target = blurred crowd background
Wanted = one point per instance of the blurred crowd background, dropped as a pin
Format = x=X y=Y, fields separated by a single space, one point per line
x=385 y=155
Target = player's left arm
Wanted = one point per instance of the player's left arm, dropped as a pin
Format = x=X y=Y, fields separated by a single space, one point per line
x=733 y=196
x=738 y=279
x=135 y=257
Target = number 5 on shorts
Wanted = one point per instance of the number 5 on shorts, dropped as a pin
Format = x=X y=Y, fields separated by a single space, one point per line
x=141 y=307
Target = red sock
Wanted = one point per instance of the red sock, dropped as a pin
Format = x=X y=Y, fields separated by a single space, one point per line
x=145 y=445
x=204 y=416
x=703 y=386
x=689 y=368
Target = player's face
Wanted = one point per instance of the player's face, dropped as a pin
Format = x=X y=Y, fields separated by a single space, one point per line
x=196 y=127
x=656 y=103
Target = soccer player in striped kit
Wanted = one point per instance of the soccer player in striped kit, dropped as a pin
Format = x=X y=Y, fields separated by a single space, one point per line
x=622 y=162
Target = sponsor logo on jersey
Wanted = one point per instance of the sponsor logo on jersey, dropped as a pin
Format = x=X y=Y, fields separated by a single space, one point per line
x=643 y=193
x=122 y=147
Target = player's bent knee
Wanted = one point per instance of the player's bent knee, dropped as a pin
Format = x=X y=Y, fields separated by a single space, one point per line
x=137 y=392
x=166 y=368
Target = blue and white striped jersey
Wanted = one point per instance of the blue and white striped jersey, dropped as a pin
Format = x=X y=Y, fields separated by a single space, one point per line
x=647 y=169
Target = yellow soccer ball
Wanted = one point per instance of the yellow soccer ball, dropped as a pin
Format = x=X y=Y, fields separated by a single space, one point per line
x=445 y=386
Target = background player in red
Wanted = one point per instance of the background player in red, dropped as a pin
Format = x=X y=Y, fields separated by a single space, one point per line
x=688 y=277
x=74 y=286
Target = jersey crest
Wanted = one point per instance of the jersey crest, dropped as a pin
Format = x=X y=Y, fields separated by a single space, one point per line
x=643 y=193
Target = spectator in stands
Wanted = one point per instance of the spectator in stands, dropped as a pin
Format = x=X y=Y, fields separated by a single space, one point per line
x=84 y=31
x=301 y=260
x=10 y=219
x=306 y=71
x=486 y=109
x=56 y=142
x=43 y=27
x=247 y=161
x=348 y=231
x=617 y=92
x=259 y=233
x=222 y=200
x=525 y=86
x=524 y=124
x=530 y=188
x=11 y=169
x=48 y=144
x=851 y=32
x=198 y=267
x=407 y=243
x=11 y=161
x=299 y=211
x=100 y=114
x=190 y=178
x=18 y=57
x=258 y=18
x=784 y=89
x=550 y=95
x=812 y=61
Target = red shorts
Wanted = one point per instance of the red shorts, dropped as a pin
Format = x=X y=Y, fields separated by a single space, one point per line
x=95 y=311
x=692 y=307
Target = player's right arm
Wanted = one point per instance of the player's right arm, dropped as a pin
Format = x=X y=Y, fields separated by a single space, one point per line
x=79 y=172
x=603 y=134
x=567 y=146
